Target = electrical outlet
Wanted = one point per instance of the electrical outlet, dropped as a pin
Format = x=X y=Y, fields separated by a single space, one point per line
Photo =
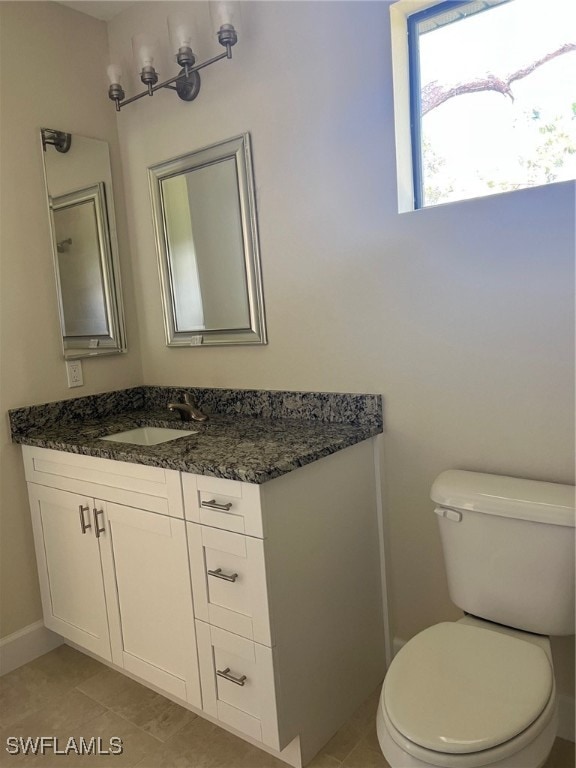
x=74 y=373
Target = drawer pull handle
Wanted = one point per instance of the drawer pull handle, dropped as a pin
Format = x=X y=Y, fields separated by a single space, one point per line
x=225 y=673
x=97 y=529
x=219 y=575
x=213 y=504
x=83 y=524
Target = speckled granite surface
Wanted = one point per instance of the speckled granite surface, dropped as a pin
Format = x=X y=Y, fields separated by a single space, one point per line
x=251 y=435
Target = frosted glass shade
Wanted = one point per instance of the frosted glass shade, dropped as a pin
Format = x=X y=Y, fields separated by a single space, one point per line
x=143 y=48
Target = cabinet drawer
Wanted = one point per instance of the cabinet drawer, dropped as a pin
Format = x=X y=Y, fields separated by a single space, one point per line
x=151 y=488
x=229 y=581
x=237 y=679
x=220 y=503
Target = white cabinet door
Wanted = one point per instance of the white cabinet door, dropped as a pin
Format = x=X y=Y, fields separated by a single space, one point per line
x=69 y=567
x=145 y=559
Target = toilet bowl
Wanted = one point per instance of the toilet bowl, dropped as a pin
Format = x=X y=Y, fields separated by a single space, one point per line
x=481 y=691
x=469 y=694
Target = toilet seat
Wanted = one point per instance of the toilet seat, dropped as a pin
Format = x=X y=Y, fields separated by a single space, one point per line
x=457 y=689
x=527 y=750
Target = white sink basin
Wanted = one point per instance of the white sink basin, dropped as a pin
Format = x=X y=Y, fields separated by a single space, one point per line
x=149 y=435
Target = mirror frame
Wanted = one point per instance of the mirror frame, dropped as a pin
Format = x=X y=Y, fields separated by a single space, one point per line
x=101 y=344
x=237 y=148
x=74 y=347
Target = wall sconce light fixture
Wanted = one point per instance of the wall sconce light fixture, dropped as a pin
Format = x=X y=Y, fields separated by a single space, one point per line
x=187 y=82
x=58 y=139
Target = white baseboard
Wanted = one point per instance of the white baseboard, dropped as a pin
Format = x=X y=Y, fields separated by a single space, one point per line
x=26 y=645
x=566 y=706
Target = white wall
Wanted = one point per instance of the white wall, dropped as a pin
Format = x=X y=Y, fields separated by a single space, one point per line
x=461 y=315
x=52 y=72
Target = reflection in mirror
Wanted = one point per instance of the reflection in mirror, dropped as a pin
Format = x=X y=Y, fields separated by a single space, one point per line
x=205 y=220
x=79 y=227
x=79 y=190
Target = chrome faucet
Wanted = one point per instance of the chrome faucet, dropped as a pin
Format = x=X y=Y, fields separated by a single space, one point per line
x=188 y=410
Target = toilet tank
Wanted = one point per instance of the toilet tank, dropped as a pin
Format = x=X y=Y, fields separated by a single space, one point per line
x=509 y=549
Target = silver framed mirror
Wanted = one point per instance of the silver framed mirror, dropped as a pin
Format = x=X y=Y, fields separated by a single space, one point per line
x=84 y=245
x=207 y=240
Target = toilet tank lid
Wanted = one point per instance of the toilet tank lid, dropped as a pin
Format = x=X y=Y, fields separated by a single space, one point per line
x=533 y=500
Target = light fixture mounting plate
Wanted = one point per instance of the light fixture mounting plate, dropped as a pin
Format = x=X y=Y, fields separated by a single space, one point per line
x=188 y=86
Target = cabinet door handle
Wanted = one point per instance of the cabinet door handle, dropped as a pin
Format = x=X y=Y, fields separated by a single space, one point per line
x=225 y=673
x=83 y=524
x=217 y=573
x=97 y=529
x=213 y=504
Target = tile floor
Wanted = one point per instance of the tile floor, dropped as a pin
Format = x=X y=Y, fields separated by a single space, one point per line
x=66 y=693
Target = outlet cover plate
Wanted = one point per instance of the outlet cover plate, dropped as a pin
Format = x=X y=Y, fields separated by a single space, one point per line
x=74 y=373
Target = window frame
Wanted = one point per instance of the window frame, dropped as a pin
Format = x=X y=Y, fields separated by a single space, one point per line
x=415 y=89
x=413 y=13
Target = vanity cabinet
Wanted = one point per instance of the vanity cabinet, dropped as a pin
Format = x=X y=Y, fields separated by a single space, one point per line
x=258 y=606
x=114 y=578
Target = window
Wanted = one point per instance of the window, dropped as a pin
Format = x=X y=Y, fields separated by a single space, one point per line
x=492 y=98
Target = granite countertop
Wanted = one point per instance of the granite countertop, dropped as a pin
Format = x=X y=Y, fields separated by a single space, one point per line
x=229 y=445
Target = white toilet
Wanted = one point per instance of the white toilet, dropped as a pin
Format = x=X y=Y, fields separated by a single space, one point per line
x=481 y=691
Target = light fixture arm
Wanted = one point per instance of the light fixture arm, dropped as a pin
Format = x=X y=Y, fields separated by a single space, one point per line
x=186 y=83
